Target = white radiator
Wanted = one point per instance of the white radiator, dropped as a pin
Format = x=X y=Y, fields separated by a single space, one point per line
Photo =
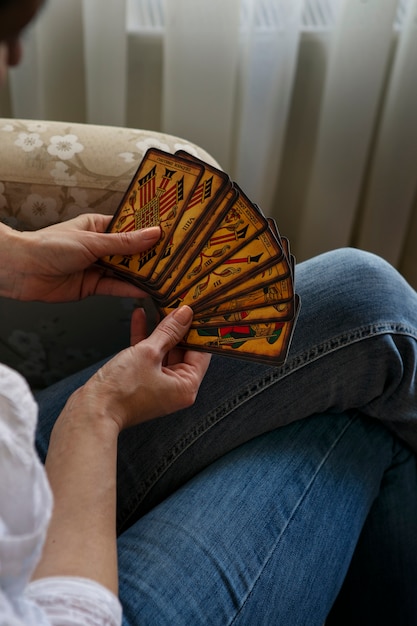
x=347 y=150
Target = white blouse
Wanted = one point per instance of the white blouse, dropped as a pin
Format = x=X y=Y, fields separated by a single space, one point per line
x=25 y=511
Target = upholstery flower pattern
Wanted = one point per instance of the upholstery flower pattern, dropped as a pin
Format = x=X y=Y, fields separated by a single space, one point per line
x=37 y=127
x=61 y=174
x=29 y=141
x=78 y=203
x=151 y=142
x=26 y=343
x=64 y=146
x=38 y=356
x=44 y=209
x=128 y=157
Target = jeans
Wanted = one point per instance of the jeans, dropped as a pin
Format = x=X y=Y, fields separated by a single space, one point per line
x=354 y=349
x=266 y=534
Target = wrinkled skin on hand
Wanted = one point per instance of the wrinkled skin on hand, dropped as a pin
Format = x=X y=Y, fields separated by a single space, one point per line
x=149 y=379
x=56 y=264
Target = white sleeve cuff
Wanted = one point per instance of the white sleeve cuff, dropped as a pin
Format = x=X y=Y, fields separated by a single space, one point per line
x=71 y=601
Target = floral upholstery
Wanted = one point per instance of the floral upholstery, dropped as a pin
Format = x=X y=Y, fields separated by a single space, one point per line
x=50 y=172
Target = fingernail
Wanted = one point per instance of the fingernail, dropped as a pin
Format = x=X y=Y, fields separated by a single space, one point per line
x=152 y=232
x=183 y=315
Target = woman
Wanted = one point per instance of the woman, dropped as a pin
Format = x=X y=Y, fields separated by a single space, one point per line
x=235 y=543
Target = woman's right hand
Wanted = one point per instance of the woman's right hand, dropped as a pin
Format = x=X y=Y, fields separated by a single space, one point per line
x=149 y=379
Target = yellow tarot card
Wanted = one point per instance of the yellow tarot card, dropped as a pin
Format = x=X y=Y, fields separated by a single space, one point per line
x=264 y=343
x=166 y=286
x=211 y=189
x=240 y=271
x=156 y=196
x=282 y=312
x=272 y=274
x=277 y=294
x=241 y=225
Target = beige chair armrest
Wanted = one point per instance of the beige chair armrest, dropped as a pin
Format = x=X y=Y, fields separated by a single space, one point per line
x=52 y=171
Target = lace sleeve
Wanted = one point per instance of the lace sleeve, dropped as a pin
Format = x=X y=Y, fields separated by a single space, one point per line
x=75 y=601
x=25 y=508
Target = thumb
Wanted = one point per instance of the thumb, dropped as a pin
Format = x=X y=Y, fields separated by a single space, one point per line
x=131 y=242
x=172 y=329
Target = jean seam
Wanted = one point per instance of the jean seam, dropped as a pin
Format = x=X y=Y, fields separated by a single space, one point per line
x=272 y=376
x=307 y=489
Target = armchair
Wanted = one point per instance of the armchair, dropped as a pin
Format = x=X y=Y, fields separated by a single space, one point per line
x=50 y=172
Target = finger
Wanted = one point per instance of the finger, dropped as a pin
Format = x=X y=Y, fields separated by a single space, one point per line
x=96 y=283
x=174 y=356
x=94 y=222
x=126 y=243
x=138 y=326
x=199 y=361
x=194 y=358
x=172 y=329
x=101 y=243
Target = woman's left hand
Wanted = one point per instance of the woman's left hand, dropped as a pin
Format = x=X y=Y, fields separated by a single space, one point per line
x=56 y=264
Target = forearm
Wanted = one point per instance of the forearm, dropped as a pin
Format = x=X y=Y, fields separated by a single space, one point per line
x=82 y=456
x=81 y=467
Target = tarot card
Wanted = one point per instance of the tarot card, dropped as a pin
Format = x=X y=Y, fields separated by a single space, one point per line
x=189 y=248
x=266 y=343
x=238 y=270
x=273 y=266
x=212 y=187
x=286 y=247
x=157 y=195
x=218 y=253
x=236 y=229
x=278 y=294
x=281 y=311
x=167 y=286
x=271 y=275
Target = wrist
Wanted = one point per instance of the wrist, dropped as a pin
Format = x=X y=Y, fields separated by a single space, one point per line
x=11 y=255
x=110 y=404
x=85 y=413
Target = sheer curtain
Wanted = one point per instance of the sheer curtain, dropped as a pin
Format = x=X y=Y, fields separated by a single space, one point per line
x=310 y=105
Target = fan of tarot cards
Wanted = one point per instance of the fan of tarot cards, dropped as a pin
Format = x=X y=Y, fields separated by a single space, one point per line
x=218 y=253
